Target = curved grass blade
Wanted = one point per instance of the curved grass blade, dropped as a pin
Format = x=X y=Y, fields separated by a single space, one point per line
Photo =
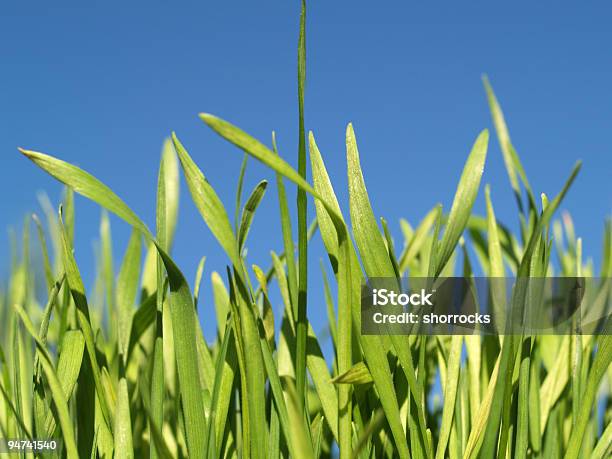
x=57 y=393
x=601 y=363
x=86 y=185
x=184 y=322
x=357 y=374
x=375 y=257
x=209 y=205
x=171 y=184
x=372 y=346
x=315 y=361
x=480 y=423
x=269 y=158
x=604 y=445
x=77 y=290
x=511 y=159
x=418 y=239
x=299 y=431
x=239 y=190
x=68 y=367
x=463 y=201
x=249 y=212
x=181 y=303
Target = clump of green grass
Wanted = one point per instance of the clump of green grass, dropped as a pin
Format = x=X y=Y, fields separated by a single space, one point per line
x=133 y=375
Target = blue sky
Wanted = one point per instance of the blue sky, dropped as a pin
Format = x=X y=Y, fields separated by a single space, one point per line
x=101 y=86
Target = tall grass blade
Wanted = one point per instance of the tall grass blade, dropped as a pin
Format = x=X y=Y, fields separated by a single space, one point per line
x=301 y=334
x=463 y=201
x=57 y=393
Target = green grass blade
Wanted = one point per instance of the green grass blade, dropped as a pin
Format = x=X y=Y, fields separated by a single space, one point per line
x=544 y=220
x=287 y=233
x=184 y=322
x=198 y=284
x=48 y=269
x=170 y=178
x=127 y=287
x=463 y=201
x=418 y=239
x=450 y=394
x=142 y=319
x=373 y=348
x=249 y=212
x=208 y=203
x=183 y=314
x=123 y=425
x=523 y=411
x=299 y=431
x=480 y=422
x=601 y=363
x=373 y=251
x=357 y=374
x=225 y=370
x=511 y=159
x=604 y=444
x=158 y=369
x=239 y=190
x=315 y=361
x=265 y=155
x=108 y=269
x=221 y=300
x=77 y=290
x=68 y=367
x=368 y=238
x=302 y=327
x=8 y=399
x=86 y=185
x=57 y=393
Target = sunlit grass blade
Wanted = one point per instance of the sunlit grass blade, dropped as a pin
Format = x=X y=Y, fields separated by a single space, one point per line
x=301 y=333
x=180 y=297
x=127 y=287
x=450 y=393
x=184 y=322
x=511 y=159
x=221 y=300
x=374 y=256
x=373 y=349
x=77 y=290
x=123 y=428
x=209 y=205
x=368 y=238
x=249 y=211
x=463 y=201
x=604 y=444
x=68 y=367
x=299 y=431
x=600 y=365
x=57 y=393
x=86 y=185
x=287 y=232
x=418 y=239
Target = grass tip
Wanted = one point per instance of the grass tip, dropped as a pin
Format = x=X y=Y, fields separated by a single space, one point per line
x=207 y=117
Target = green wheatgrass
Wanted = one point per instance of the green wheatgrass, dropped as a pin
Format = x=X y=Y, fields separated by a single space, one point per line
x=124 y=370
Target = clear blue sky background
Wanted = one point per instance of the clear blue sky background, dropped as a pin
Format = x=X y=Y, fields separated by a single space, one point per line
x=102 y=86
